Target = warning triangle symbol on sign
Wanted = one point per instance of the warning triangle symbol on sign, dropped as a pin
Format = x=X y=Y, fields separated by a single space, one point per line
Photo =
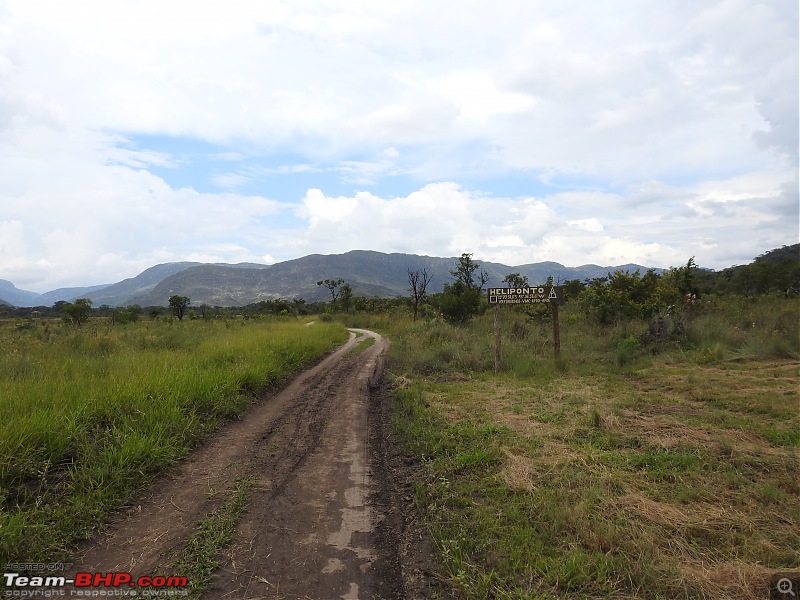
x=552 y=293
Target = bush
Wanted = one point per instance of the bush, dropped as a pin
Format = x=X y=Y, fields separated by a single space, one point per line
x=626 y=350
x=459 y=304
x=626 y=295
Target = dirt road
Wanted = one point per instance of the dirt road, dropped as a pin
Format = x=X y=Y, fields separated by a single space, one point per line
x=327 y=515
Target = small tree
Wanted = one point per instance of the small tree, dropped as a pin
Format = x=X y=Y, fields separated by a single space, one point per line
x=459 y=303
x=572 y=288
x=118 y=316
x=123 y=315
x=333 y=287
x=178 y=305
x=467 y=270
x=299 y=306
x=461 y=300
x=624 y=295
x=78 y=312
x=346 y=297
x=134 y=312
x=418 y=284
x=684 y=278
x=515 y=280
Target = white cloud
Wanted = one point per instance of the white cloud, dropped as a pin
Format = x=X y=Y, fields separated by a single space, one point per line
x=671 y=129
x=586 y=224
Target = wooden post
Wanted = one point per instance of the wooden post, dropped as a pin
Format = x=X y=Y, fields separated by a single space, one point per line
x=556 y=333
x=496 y=339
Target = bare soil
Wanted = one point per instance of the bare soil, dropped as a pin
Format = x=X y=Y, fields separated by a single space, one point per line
x=330 y=513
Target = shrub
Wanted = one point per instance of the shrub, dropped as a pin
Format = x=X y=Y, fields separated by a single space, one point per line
x=626 y=350
x=624 y=295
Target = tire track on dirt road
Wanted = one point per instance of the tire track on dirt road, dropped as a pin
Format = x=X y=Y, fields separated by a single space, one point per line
x=309 y=530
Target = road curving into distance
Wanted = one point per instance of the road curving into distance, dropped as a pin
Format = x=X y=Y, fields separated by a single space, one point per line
x=319 y=520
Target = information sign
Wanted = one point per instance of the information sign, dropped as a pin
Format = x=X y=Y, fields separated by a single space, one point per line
x=546 y=294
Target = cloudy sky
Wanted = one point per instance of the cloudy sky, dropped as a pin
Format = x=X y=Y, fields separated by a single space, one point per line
x=139 y=132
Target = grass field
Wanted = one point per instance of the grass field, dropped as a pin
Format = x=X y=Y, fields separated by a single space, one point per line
x=91 y=415
x=622 y=470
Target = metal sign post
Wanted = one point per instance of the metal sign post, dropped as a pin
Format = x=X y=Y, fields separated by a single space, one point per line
x=545 y=294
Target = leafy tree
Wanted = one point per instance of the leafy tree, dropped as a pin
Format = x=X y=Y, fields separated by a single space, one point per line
x=573 y=288
x=418 y=284
x=134 y=312
x=469 y=273
x=458 y=303
x=178 y=305
x=627 y=295
x=462 y=299
x=299 y=306
x=333 y=286
x=77 y=312
x=515 y=280
x=764 y=276
x=126 y=315
x=346 y=296
x=684 y=278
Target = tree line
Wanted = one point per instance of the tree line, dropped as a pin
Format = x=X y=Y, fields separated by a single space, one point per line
x=609 y=299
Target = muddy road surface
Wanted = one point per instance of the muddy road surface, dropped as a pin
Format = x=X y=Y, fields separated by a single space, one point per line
x=327 y=514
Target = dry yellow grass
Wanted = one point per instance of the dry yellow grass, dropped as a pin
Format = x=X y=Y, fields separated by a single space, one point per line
x=671 y=465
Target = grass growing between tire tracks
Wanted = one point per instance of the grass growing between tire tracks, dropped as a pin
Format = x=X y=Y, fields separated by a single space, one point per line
x=671 y=474
x=91 y=415
x=198 y=560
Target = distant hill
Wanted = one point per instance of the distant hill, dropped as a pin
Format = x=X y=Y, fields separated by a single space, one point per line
x=10 y=294
x=370 y=274
x=117 y=294
x=67 y=294
x=122 y=293
x=784 y=254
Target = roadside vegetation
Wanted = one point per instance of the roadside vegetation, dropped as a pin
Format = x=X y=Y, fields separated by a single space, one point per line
x=92 y=413
x=620 y=470
x=657 y=457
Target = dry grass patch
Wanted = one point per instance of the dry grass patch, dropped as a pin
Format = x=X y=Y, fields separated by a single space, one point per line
x=518 y=472
x=665 y=432
x=735 y=580
x=624 y=485
x=749 y=387
x=525 y=425
x=668 y=515
x=524 y=473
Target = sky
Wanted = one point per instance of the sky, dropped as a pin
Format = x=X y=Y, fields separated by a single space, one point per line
x=134 y=133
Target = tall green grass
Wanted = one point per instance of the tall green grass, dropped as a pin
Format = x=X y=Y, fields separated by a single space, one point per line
x=91 y=415
x=718 y=329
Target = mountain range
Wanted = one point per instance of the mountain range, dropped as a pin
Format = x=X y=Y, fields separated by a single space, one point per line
x=369 y=273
